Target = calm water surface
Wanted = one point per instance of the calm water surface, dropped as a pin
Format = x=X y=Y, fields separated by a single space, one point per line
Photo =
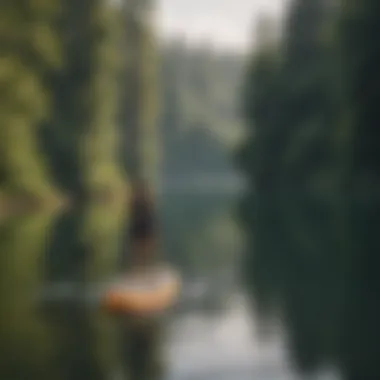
x=69 y=338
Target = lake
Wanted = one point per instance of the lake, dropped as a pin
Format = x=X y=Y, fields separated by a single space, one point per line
x=211 y=336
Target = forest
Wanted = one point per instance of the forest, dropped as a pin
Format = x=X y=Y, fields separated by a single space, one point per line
x=91 y=100
x=68 y=72
x=89 y=91
x=312 y=159
x=89 y=104
x=200 y=119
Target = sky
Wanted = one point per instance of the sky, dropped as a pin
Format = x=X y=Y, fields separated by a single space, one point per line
x=224 y=23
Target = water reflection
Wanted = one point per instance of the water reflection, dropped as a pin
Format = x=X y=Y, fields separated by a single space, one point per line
x=88 y=342
x=68 y=259
x=25 y=340
x=58 y=340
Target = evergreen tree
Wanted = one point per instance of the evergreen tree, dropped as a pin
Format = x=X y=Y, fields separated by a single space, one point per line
x=81 y=140
x=140 y=85
x=30 y=51
x=360 y=53
x=294 y=266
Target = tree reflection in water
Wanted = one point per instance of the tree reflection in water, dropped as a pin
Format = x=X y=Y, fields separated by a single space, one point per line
x=71 y=339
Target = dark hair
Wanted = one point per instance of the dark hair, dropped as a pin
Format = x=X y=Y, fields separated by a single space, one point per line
x=142 y=221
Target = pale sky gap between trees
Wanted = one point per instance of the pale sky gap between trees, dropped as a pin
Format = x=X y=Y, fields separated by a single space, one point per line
x=226 y=24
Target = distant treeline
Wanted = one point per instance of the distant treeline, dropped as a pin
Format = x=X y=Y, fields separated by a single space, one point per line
x=200 y=119
x=200 y=124
x=311 y=102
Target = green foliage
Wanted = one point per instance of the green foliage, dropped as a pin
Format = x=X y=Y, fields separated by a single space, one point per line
x=200 y=88
x=30 y=51
x=101 y=234
x=24 y=337
x=81 y=139
x=360 y=52
x=84 y=252
x=60 y=87
x=312 y=161
x=140 y=101
x=100 y=135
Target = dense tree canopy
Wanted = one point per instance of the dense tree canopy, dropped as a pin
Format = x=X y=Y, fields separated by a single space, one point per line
x=311 y=159
x=80 y=138
x=77 y=80
x=30 y=50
